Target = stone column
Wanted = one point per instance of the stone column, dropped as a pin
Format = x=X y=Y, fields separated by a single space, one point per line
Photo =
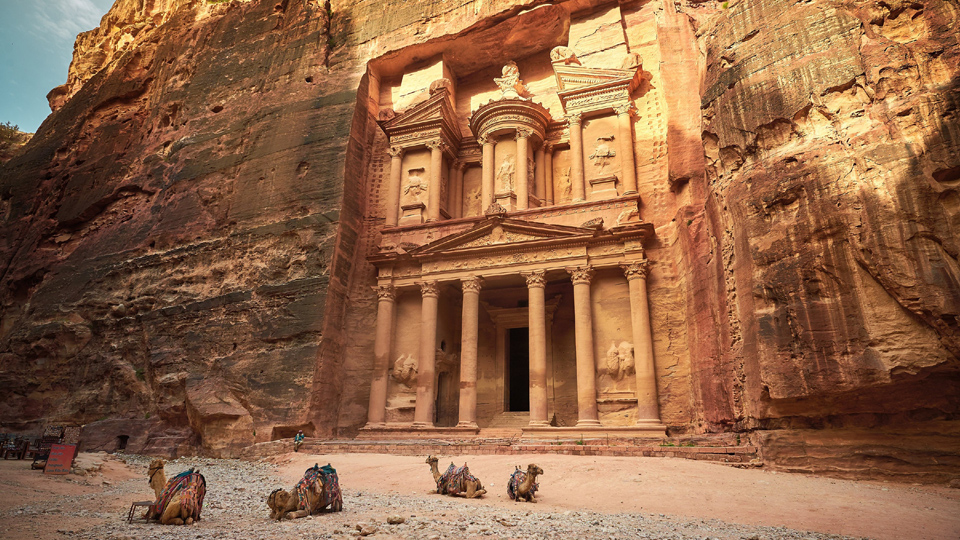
x=578 y=190
x=586 y=365
x=382 y=346
x=523 y=190
x=457 y=210
x=648 y=406
x=487 y=173
x=536 y=284
x=426 y=394
x=538 y=175
x=628 y=167
x=436 y=176
x=468 y=351
x=451 y=188
x=548 y=174
x=392 y=199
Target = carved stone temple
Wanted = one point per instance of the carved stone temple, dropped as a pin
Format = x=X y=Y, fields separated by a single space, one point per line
x=512 y=267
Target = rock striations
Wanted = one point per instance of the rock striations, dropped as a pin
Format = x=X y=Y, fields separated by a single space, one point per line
x=184 y=242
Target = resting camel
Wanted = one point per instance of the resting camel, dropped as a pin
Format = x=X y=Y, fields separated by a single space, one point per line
x=523 y=485
x=318 y=488
x=180 y=500
x=455 y=481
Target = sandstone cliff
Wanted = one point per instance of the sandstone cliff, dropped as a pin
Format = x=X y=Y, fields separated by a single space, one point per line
x=179 y=240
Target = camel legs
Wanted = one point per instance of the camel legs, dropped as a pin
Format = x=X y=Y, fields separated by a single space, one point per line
x=171 y=514
x=297 y=514
x=472 y=491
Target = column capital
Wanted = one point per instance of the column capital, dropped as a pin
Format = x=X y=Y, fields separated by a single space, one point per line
x=574 y=118
x=548 y=148
x=396 y=151
x=625 y=108
x=524 y=133
x=486 y=139
x=580 y=274
x=460 y=165
x=429 y=288
x=636 y=269
x=437 y=145
x=535 y=278
x=386 y=293
x=471 y=284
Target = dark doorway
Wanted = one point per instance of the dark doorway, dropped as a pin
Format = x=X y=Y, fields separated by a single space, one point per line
x=519 y=366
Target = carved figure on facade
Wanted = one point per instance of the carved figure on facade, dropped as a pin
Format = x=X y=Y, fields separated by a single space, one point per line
x=595 y=224
x=414 y=188
x=446 y=362
x=495 y=209
x=405 y=370
x=386 y=115
x=531 y=172
x=438 y=84
x=506 y=174
x=631 y=61
x=603 y=153
x=510 y=84
x=620 y=362
x=565 y=55
x=630 y=215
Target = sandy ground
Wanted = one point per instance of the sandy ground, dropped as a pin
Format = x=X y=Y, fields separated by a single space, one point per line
x=677 y=498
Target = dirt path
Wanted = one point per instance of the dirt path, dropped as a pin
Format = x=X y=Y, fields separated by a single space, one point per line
x=583 y=497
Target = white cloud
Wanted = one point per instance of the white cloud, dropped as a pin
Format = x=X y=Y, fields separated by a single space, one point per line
x=62 y=20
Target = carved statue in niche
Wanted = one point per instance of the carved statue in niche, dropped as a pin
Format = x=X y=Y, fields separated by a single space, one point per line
x=414 y=187
x=472 y=202
x=565 y=55
x=510 y=84
x=620 y=360
x=602 y=154
x=531 y=183
x=405 y=370
x=506 y=173
x=446 y=362
x=565 y=188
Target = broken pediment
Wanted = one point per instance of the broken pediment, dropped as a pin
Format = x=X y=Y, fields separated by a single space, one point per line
x=424 y=121
x=583 y=89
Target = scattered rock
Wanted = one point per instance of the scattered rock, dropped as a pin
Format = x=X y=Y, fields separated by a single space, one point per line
x=395 y=520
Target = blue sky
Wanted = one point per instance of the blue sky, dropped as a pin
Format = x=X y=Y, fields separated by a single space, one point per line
x=36 y=46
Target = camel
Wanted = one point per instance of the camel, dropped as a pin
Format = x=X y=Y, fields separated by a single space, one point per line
x=318 y=489
x=523 y=485
x=456 y=481
x=180 y=500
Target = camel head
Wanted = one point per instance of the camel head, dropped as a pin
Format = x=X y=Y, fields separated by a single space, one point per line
x=534 y=470
x=277 y=502
x=432 y=460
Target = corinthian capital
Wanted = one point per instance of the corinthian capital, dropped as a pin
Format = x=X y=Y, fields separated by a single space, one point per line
x=523 y=133
x=580 y=274
x=386 y=293
x=486 y=139
x=535 y=278
x=636 y=269
x=429 y=288
x=395 y=151
x=471 y=284
x=625 y=108
x=574 y=118
x=437 y=145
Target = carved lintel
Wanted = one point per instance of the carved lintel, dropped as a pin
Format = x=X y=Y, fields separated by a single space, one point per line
x=386 y=293
x=580 y=274
x=535 y=278
x=471 y=284
x=636 y=269
x=429 y=288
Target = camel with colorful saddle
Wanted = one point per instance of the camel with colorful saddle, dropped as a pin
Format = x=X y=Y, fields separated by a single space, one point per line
x=456 y=480
x=179 y=500
x=318 y=489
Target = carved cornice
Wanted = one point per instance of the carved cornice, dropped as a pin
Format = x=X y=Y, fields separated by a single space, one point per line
x=386 y=293
x=536 y=278
x=471 y=284
x=636 y=269
x=509 y=114
x=580 y=274
x=429 y=289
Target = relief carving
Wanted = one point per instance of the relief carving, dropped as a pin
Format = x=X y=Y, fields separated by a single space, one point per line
x=405 y=370
x=603 y=153
x=620 y=361
x=510 y=84
x=565 y=55
x=472 y=284
x=630 y=215
x=414 y=188
x=446 y=362
x=506 y=174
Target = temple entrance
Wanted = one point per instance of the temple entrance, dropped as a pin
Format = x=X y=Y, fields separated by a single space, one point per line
x=518 y=368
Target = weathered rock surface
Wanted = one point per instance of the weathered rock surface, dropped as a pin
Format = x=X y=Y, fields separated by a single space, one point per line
x=179 y=240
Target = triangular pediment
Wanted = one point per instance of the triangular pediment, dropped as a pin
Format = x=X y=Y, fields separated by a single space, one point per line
x=572 y=77
x=497 y=233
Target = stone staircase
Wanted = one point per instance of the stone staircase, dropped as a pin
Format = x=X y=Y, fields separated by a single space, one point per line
x=506 y=425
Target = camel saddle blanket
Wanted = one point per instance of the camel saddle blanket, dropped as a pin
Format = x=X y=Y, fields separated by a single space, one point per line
x=324 y=481
x=516 y=479
x=191 y=486
x=454 y=481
